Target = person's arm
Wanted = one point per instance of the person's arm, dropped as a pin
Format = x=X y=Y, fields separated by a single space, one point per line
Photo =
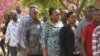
x=19 y=31
x=78 y=42
x=95 y=37
x=83 y=47
x=83 y=41
x=62 y=37
x=18 y=37
x=27 y=40
x=78 y=35
x=20 y=28
x=44 y=51
x=44 y=35
x=77 y=39
x=7 y=36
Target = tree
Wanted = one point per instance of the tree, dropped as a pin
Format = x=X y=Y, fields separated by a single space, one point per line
x=4 y=5
x=97 y=3
x=76 y=5
x=44 y=5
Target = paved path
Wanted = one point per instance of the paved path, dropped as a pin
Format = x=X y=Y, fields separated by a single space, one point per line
x=1 y=53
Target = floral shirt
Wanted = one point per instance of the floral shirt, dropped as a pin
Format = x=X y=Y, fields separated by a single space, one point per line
x=32 y=36
x=50 y=38
x=11 y=34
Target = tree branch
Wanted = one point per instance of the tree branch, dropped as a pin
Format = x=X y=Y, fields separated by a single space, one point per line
x=81 y=6
x=65 y=6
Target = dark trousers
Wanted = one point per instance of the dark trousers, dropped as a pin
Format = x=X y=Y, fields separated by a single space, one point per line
x=13 y=51
x=76 y=54
x=7 y=49
x=33 y=55
x=2 y=47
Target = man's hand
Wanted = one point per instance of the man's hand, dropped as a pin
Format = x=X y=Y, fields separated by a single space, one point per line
x=18 y=47
x=29 y=50
x=44 y=51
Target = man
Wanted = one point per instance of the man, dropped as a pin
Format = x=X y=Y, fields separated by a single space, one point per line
x=18 y=9
x=96 y=37
x=7 y=19
x=63 y=15
x=11 y=34
x=87 y=35
x=88 y=14
x=32 y=34
x=20 y=32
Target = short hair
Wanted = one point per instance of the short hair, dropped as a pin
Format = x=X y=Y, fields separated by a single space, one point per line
x=69 y=13
x=14 y=11
x=18 y=10
x=34 y=10
x=89 y=8
x=97 y=11
x=7 y=16
x=51 y=10
x=33 y=6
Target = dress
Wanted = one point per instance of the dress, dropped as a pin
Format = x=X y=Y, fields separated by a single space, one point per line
x=50 y=38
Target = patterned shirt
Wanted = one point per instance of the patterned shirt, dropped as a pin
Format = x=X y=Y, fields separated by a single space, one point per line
x=20 y=33
x=11 y=34
x=50 y=38
x=96 y=41
x=32 y=36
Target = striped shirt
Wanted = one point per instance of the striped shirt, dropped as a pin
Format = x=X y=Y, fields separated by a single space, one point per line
x=96 y=41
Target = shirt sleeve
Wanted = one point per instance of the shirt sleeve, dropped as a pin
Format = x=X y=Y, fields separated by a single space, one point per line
x=18 y=35
x=85 y=32
x=44 y=35
x=78 y=31
x=27 y=41
x=19 y=31
x=7 y=33
x=95 y=37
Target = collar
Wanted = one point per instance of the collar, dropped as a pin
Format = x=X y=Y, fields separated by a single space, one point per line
x=58 y=24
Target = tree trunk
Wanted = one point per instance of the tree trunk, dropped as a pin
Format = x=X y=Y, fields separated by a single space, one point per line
x=97 y=3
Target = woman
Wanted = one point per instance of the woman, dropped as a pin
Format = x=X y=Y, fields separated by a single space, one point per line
x=66 y=35
x=50 y=34
x=2 y=25
x=7 y=19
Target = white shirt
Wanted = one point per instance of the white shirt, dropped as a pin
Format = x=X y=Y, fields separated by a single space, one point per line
x=11 y=34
